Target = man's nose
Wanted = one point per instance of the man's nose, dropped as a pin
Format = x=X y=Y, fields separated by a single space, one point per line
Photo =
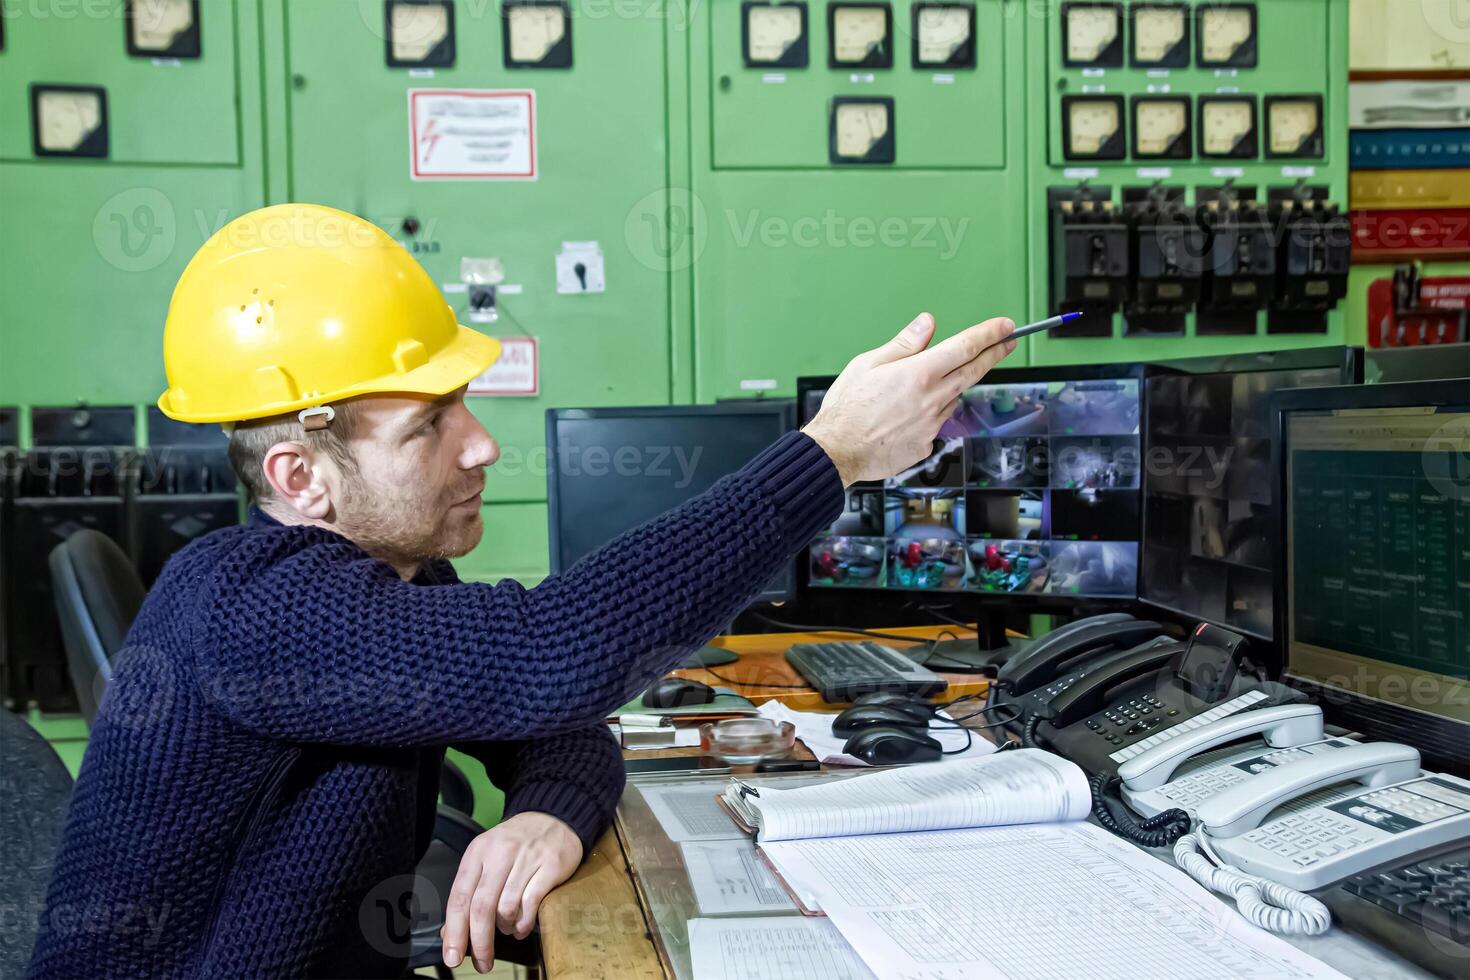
x=480 y=447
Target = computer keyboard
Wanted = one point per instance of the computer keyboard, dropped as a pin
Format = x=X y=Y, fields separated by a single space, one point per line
x=843 y=671
x=1421 y=910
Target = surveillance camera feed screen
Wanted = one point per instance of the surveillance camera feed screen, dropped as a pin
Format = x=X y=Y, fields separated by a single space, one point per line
x=1207 y=523
x=1032 y=489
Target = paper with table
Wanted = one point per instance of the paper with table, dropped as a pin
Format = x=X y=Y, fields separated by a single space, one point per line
x=776 y=948
x=1039 y=902
x=729 y=878
x=1021 y=786
x=814 y=728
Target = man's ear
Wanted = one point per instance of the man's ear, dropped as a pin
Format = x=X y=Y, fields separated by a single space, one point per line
x=295 y=476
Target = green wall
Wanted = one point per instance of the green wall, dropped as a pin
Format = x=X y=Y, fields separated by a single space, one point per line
x=738 y=257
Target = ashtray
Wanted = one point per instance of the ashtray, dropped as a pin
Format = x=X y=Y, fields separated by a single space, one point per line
x=742 y=741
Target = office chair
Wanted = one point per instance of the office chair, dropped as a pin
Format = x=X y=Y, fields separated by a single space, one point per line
x=34 y=789
x=97 y=593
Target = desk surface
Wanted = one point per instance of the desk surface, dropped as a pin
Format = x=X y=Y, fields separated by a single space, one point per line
x=763 y=661
x=596 y=926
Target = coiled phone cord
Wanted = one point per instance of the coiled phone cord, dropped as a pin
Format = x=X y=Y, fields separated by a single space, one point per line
x=1268 y=904
x=1160 y=830
x=1028 y=731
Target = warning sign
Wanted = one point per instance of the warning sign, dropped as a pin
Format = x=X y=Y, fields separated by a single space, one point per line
x=517 y=372
x=472 y=134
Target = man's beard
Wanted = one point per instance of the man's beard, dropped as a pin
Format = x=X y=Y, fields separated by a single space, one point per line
x=402 y=529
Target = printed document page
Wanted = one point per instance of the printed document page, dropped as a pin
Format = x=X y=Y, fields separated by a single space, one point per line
x=729 y=878
x=772 y=948
x=1052 y=902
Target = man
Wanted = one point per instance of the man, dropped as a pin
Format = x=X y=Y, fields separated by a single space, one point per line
x=265 y=762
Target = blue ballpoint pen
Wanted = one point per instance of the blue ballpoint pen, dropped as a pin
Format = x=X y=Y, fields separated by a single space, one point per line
x=1047 y=324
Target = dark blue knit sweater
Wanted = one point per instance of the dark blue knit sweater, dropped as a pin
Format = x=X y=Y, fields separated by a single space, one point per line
x=265 y=761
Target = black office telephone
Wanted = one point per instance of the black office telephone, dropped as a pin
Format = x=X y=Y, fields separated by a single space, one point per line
x=1059 y=651
x=1060 y=701
x=1105 y=719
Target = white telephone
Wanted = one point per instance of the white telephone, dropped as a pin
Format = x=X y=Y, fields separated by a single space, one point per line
x=1281 y=808
x=1183 y=771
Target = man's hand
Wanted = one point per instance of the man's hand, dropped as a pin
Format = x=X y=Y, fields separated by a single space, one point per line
x=504 y=875
x=882 y=413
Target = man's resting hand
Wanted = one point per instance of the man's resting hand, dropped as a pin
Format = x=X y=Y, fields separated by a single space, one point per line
x=503 y=877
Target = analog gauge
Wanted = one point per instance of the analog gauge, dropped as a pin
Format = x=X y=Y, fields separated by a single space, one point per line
x=1092 y=35
x=862 y=130
x=1227 y=127
x=1161 y=127
x=944 y=35
x=774 y=35
x=69 y=121
x=537 y=34
x=1227 y=35
x=420 y=33
x=1293 y=126
x=1160 y=35
x=1092 y=127
x=860 y=34
x=162 y=28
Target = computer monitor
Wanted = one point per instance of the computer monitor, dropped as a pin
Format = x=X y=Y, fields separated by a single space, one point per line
x=1207 y=515
x=1430 y=362
x=612 y=469
x=1374 y=600
x=1031 y=491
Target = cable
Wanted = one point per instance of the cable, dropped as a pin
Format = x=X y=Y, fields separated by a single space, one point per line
x=799 y=628
x=1160 y=830
x=1015 y=714
x=1028 y=731
x=969 y=741
x=1268 y=904
x=933 y=611
x=730 y=680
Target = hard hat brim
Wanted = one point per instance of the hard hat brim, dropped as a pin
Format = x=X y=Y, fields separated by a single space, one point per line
x=458 y=363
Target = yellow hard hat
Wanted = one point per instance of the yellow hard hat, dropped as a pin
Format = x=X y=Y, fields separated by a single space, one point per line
x=298 y=305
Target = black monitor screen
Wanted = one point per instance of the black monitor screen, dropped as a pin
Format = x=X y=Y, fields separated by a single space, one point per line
x=1207 y=517
x=611 y=469
x=1032 y=489
x=1377 y=547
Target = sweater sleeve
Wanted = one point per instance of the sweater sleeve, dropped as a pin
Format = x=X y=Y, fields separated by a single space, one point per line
x=317 y=642
x=576 y=777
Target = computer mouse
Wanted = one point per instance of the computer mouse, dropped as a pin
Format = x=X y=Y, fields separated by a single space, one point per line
x=907 y=703
x=864 y=716
x=677 y=692
x=893 y=746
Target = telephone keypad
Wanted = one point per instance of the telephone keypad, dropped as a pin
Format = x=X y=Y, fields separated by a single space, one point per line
x=1305 y=840
x=1120 y=720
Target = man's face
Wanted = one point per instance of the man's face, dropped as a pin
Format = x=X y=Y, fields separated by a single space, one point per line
x=420 y=470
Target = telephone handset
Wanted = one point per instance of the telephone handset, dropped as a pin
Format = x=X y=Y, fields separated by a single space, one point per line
x=1242 y=807
x=1090 y=693
x=1038 y=703
x=1282 y=726
x=1050 y=657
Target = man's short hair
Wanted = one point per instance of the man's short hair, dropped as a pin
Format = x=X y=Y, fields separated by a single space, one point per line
x=251 y=440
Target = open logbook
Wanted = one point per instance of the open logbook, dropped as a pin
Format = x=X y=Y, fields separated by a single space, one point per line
x=1016 y=787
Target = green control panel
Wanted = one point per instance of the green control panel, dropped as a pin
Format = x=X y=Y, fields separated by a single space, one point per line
x=685 y=202
x=858 y=163
x=1189 y=169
